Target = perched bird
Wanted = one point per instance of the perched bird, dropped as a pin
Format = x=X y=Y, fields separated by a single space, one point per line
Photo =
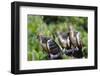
x=79 y=41
x=54 y=50
x=72 y=37
x=64 y=41
x=43 y=41
x=76 y=44
x=75 y=38
x=78 y=53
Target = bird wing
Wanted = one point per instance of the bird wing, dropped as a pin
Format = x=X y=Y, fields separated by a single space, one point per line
x=53 y=47
x=78 y=38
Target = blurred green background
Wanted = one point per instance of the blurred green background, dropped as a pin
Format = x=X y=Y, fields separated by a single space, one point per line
x=49 y=25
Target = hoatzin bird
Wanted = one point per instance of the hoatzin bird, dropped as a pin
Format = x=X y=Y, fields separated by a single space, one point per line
x=75 y=38
x=50 y=46
x=63 y=38
x=54 y=50
x=72 y=37
x=76 y=43
x=43 y=41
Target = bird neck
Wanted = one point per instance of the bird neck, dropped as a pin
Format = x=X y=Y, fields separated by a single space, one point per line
x=71 y=33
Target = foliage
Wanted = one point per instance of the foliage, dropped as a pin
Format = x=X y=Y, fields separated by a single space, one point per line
x=49 y=25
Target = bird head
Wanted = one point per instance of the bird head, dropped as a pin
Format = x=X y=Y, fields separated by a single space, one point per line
x=39 y=36
x=70 y=28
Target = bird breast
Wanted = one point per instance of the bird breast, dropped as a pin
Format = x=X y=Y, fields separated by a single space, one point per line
x=63 y=41
x=68 y=42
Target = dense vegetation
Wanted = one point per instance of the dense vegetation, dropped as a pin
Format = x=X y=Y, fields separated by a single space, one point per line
x=49 y=25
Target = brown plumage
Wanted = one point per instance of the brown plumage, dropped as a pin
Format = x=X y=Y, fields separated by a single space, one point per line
x=43 y=41
x=79 y=41
x=75 y=52
x=64 y=41
x=72 y=37
x=76 y=43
